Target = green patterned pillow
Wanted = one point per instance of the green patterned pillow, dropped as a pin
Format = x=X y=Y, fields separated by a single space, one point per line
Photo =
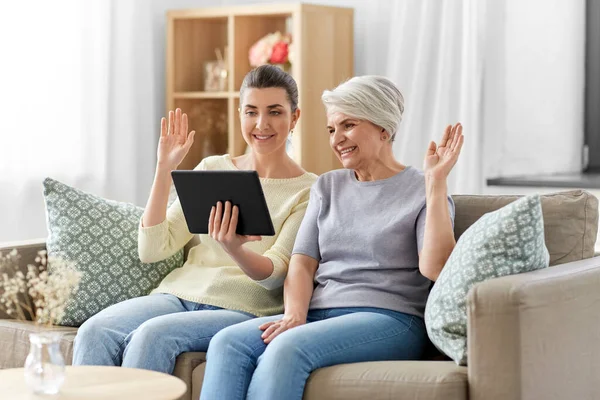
x=504 y=242
x=100 y=237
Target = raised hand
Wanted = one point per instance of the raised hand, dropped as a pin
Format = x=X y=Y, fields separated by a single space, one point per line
x=175 y=141
x=222 y=225
x=440 y=158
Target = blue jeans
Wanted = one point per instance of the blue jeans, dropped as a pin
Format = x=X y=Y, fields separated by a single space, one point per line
x=149 y=332
x=240 y=366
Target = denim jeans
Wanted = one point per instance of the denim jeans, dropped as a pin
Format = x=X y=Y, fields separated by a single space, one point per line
x=240 y=366
x=149 y=332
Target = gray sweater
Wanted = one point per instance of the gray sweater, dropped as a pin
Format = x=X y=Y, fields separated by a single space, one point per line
x=366 y=237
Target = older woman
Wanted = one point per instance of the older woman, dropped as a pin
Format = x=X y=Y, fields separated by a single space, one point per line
x=374 y=236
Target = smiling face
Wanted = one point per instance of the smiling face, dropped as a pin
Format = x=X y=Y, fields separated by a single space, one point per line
x=267 y=118
x=356 y=142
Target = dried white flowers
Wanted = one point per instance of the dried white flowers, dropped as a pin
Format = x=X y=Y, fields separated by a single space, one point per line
x=40 y=295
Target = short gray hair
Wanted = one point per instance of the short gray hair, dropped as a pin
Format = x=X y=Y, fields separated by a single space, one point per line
x=369 y=97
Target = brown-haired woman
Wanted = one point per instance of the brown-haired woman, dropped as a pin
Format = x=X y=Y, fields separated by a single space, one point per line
x=227 y=278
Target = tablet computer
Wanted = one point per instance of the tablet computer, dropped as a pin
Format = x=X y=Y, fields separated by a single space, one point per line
x=199 y=191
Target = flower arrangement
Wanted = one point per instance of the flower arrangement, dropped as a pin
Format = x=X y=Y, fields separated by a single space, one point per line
x=273 y=48
x=37 y=295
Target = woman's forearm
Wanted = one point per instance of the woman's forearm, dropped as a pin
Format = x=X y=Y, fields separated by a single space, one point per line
x=298 y=285
x=254 y=265
x=438 y=240
x=156 y=207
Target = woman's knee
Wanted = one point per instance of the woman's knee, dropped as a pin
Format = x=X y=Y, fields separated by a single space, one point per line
x=225 y=339
x=284 y=349
x=156 y=330
x=95 y=328
x=235 y=339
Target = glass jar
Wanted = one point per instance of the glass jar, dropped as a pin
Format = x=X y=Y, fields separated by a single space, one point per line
x=215 y=76
x=45 y=365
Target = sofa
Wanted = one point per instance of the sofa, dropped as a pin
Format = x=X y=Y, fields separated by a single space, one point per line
x=531 y=336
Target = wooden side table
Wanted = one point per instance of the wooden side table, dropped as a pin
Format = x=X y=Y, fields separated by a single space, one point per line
x=95 y=383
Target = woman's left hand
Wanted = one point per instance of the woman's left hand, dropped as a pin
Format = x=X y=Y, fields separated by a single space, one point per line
x=275 y=328
x=440 y=158
x=222 y=226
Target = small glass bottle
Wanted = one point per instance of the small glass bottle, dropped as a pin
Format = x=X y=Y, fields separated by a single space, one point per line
x=45 y=365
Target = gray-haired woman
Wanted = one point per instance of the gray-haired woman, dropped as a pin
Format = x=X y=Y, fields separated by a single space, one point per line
x=374 y=235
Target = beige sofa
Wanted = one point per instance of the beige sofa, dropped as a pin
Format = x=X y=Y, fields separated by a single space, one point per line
x=532 y=336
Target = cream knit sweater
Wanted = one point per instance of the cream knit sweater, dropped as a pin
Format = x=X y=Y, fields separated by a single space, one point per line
x=209 y=275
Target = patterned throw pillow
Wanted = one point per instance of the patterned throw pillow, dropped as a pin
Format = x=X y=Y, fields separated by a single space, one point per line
x=504 y=242
x=100 y=237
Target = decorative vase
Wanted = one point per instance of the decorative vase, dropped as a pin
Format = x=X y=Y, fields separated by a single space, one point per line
x=215 y=76
x=45 y=365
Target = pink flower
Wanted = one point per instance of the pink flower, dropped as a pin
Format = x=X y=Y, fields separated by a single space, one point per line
x=259 y=53
x=271 y=48
x=279 y=54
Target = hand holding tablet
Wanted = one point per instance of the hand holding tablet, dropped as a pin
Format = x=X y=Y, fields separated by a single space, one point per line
x=222 y=225
x=200 y=191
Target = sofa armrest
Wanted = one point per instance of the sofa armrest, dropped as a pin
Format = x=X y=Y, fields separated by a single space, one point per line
x=535 y=335
x=185 y=365
x=28 y=250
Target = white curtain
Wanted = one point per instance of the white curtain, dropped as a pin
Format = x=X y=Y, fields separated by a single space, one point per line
x=81 y=96
x=433 y=51
x=435 y=57
x=75 y=105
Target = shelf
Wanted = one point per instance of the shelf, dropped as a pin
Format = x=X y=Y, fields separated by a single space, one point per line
x=194 y=44
x=250 y=10
x=323 y=57
x=248 y=30
x=209 y=118
x=206 y=95
x=578 y=180
x=239 y=145
x=202 y=95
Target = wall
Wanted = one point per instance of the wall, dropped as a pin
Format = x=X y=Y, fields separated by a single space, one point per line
x=534 y=87
x=370 y=42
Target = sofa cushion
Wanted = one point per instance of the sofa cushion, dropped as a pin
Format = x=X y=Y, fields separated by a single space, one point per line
x=504 y=242
x=14 y=341
x=416 y=380
x=379 y=380
x=100 y=237
x=570 y=220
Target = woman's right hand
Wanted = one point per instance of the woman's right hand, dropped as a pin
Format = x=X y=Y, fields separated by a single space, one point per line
x=175 y=141
x=274 y=328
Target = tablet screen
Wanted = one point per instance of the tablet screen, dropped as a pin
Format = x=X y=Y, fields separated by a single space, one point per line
x=199 y=191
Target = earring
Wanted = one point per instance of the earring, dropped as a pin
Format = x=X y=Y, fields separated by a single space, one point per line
x=291 y=132
x=384 y=137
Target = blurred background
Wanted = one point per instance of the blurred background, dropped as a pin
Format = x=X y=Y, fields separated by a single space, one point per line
x=83 y=88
